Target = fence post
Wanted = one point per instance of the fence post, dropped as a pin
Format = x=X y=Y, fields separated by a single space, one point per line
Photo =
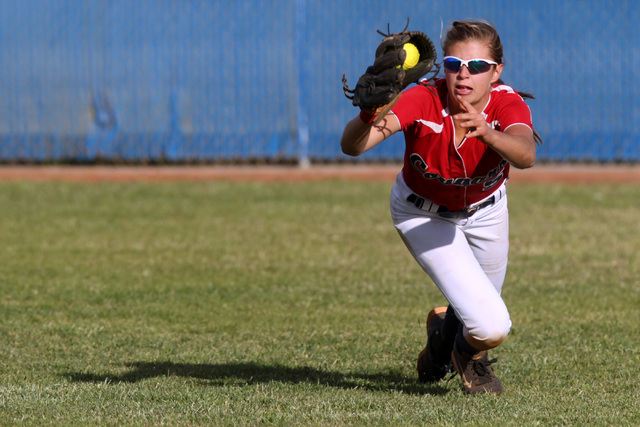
x=302 y=119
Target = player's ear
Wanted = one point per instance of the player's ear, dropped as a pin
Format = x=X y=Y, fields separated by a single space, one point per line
x=496 y=73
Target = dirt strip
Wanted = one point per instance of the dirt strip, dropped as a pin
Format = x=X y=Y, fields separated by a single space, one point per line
x=549 y=173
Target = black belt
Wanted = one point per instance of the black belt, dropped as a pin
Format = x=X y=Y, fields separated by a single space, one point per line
x=443 y=211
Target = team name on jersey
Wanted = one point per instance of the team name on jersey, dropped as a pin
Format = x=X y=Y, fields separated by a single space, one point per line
x=489 y=180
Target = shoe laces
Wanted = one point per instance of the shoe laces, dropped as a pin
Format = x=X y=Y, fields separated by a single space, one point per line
x=482 y=369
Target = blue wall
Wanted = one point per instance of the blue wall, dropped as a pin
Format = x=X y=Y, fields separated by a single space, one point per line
x=196 y=80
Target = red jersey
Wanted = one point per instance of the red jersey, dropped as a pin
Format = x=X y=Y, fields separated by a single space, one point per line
x=434 y=167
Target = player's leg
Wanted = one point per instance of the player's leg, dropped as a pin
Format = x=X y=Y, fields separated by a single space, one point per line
x=434 y=361
x=472 y=296
x=442 y=250
x=488 y=235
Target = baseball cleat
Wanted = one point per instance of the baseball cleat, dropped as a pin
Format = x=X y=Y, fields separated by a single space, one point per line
x=434 y=362
x=476 y=372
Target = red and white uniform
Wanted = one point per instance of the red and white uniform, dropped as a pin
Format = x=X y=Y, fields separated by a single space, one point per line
x=434 y=167
x=465 y=256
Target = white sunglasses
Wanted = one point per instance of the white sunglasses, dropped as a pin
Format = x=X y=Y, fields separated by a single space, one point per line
x=475 y=66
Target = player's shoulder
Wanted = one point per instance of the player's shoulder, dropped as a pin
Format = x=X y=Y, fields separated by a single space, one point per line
x=507 y=105
x=503 y=91
x=504 y=96
x=420 y=101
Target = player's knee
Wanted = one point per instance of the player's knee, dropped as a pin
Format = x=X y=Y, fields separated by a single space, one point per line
x=488 y=342
x=489 y=336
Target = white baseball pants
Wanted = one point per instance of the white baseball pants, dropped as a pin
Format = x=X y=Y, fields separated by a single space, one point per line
x=465 y=257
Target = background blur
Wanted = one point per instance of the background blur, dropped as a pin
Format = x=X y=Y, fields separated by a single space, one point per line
x=209 y=80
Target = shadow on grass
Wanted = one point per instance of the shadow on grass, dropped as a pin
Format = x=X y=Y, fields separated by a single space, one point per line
x=238 y=374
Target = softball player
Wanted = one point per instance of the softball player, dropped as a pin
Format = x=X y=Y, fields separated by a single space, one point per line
x=462 y=134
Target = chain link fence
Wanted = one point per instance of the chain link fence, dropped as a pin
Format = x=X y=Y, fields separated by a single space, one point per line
x=209 y=81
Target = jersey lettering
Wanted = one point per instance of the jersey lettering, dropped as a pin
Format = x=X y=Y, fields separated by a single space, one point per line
x=490 y=179
x=418 y=163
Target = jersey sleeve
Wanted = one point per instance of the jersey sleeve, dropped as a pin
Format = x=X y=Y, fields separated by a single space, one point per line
x=512 y=110
x=414 y=104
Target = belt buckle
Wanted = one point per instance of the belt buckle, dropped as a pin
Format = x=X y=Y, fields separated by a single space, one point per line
x=462 y=213
x=467 y=212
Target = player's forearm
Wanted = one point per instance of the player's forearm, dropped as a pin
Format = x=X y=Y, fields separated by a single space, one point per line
x=355 y=137
x=360 y=136
x=518 y=149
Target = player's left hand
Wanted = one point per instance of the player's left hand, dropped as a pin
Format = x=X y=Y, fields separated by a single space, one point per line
x=473 y=120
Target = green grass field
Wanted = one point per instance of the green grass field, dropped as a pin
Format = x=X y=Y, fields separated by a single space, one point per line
x=297 y=304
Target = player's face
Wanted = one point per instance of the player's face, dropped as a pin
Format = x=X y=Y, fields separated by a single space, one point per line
x=474 y=85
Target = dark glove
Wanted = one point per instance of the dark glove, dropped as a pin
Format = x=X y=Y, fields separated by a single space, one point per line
x=386 y=78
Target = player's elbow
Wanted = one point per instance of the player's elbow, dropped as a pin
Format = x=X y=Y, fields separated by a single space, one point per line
x=525 y=163
x=525 y=159
x=522 y=148
x=531 y=163
x=350 y=149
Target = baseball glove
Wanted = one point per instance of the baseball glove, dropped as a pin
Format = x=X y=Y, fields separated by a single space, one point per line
x=384 y=81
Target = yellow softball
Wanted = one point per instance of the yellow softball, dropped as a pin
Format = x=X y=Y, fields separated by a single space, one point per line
x=413 y=56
